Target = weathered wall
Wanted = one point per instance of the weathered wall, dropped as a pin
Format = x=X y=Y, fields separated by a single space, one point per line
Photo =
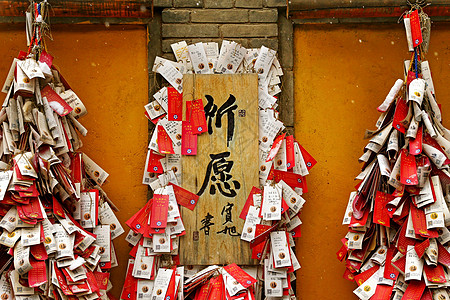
x=106 y=67
x=342 y=73
x=252 y=23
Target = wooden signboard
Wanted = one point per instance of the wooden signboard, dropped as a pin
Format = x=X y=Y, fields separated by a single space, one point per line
x=224 y=170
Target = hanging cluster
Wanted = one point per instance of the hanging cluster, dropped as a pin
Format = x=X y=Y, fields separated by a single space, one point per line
x=398 y=217
x=57 y=224
x=270 y=213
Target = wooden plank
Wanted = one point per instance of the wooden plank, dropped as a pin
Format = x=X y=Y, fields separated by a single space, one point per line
x=215 y=244
x=367 y=12
x=82 y=8
x=295 y=5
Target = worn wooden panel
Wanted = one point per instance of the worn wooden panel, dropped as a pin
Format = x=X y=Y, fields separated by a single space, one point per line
x=219 y=247
x=83 y=8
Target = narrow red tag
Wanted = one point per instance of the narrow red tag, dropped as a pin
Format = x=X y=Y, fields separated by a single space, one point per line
x=184 y=197
x=290 y=153
x=46 y=58
x=195 y=113
x=362 y=277
x=165 y=145
x=240 y=275
x=435 y=274
x=188 y=139
x=309 y=160
x=380 y=215
x=160 y=208
x=55 y=101
x=401 y=111
x=419 y=221
x=389 y=271
x=408 y=168
x=175 y=104
x=444 y=256
x=38 y=274
x=422 y=247
x=382 y=292
x=415 y=146
x=291 y=179
x=414 y=290
x=154 y=163
x=416 y=32
x=249 y=202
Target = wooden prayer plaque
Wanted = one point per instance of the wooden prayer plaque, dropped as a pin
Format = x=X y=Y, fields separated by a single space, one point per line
x=224 y=170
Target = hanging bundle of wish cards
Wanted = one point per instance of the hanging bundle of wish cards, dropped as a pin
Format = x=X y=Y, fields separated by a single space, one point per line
x=397 y=245
x=271 y=212
x=57 y=224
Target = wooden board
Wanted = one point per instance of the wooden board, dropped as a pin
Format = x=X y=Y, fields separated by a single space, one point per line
x=236 y=161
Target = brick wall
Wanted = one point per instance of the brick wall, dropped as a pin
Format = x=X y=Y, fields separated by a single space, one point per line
x=252 y=23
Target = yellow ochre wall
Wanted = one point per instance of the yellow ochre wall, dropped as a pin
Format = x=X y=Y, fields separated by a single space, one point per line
x=107 y=68
x=342 y=73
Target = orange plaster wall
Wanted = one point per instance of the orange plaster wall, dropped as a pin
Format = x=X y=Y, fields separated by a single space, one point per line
x=342 y=73
x=107 y=68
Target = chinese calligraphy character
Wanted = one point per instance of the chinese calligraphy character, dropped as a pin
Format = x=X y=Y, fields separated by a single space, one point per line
x=218 y=171
x=227 y=108
x=227 y=210
x=206 y=222
x=230 y=231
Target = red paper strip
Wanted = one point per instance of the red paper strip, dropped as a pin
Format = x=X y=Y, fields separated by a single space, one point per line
x=416 y=32
x=55 y=101
x=415 y=146
x=175 y=104
x=249 y=202
x=195 y=114
x=160 y=208
x=165 y=145
x=290 y=153
x=401 y=111
x=309 y=160
x=184 y=197
x=188 y=139
x=240 y=275
x=408 y=168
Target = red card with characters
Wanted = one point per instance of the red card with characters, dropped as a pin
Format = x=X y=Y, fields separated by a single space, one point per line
x=184 y=197
x=188 y=139
x=435 y=274
x=290 y=153
x=154 y=163
x=408 y=168
x=240 y=275
x=382 y=292
x=414 y=290
x=419 y=221
x=38 y=274
x=138 y=222
x=160 y=208
x=55 y=101
x=46 y=58
x=416 y=32
x=380 y=215
x=291 y=179
x=195 y=114
x=165 y=145
x=249 y=202
x=389 y=271
x=309 y=160
x=415 y=146
x=175 y=104
x=401 y=111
